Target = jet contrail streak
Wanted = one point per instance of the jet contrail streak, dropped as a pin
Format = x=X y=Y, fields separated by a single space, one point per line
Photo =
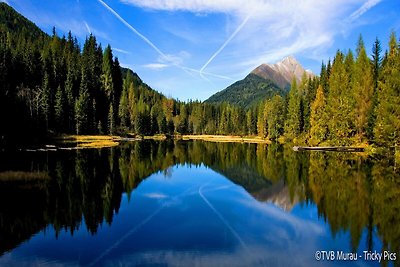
x=227 y=224
x=87 y=27
x=225 y=43
x=144 y=38
x=139 y=225
x=164 y=56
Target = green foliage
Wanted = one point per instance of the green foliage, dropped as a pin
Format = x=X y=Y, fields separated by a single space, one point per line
x=51 y=86
x=294 y=119
x=274 y=117
x=248 y=92
x=340 y=101
x=318 y=119
x=363 y=85
x=82 y=105
x=387 y=126
x=60 y=108
x=12 y=21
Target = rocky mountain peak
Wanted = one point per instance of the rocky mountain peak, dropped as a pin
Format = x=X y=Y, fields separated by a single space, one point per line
x=282 y=72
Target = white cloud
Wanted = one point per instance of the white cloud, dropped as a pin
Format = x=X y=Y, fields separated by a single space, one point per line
x=198 y=6
x=156 y=66
x=175 y=59
x=275 y=28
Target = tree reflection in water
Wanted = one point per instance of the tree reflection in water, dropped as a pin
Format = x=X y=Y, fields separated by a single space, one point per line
x=352 y=193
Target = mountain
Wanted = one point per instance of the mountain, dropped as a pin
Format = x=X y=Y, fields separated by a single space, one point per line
x=282 y=72
x=12 y=21
x=263 y=82
x=247 y=92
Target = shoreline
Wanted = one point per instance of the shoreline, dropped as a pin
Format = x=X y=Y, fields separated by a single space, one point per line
x=104 y=141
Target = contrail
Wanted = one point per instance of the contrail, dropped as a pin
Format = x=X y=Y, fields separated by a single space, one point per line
x=364 y=8
x=87 y=27
x=224 y=44
x=152 y=45
x=144 y=38
x=207 y=73
x=139 y=225
x=222 y=218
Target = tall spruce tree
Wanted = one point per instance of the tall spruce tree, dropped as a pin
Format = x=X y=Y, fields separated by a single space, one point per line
x=376 y=61
x=340 y=102
x=387 y=126
x=274 y=114
x=82 y=107
x=118 y=84
x=363 y=91
x=293 y=123
x=318 y=118
x=106 y=96
x=60 y=110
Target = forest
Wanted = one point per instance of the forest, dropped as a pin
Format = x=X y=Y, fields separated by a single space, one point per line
x=50 y=85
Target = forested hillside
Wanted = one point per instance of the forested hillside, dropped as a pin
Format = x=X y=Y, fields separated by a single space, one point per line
x=248 y=92
x=50 y=85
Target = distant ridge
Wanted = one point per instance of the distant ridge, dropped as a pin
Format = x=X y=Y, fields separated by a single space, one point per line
x=263 y=82
x=11 y=20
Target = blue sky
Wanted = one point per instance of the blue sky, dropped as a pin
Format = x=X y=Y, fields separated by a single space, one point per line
x=190 y=49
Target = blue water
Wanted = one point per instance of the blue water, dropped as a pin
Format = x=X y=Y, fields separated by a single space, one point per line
x=192 y=217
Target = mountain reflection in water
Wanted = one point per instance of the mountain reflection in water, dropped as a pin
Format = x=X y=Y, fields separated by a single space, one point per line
x=317 y=200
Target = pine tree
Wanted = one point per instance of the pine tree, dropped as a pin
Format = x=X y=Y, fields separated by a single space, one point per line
x=387 y=126
x=107 y=75
x=377 y=66
x=162 y=123
x=376 y=61
x=309 y=94
x=111 y=122
x=262 y=129
x=153 y=120
x=170 y=127
x=105 y=98
x=123 y=110
x=293 y=124
x=251 y=122
x=118 y=84
x=363 y=90
x=82 y=107
x=70 y=102
x=274 y=115
x=318 y=118
x=340 y=102
x=46 y=100
x=60 y=110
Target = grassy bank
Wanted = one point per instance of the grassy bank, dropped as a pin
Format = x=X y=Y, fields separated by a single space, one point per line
x=90 y=141
x=22 y=176
x=225 y=138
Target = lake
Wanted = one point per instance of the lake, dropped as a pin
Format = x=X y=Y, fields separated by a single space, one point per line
x=195 y=203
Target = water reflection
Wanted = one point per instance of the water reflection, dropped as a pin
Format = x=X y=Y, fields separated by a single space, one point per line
x=353 y=194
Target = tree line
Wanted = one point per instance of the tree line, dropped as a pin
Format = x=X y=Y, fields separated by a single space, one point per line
x=49 y=85
x=354 y=100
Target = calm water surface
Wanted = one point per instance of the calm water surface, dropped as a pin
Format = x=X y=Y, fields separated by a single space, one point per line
x=195 y=204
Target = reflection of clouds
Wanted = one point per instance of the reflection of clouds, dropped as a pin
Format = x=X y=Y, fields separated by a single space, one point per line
x=278 y=214
x=256 y=256
x=11 y=260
